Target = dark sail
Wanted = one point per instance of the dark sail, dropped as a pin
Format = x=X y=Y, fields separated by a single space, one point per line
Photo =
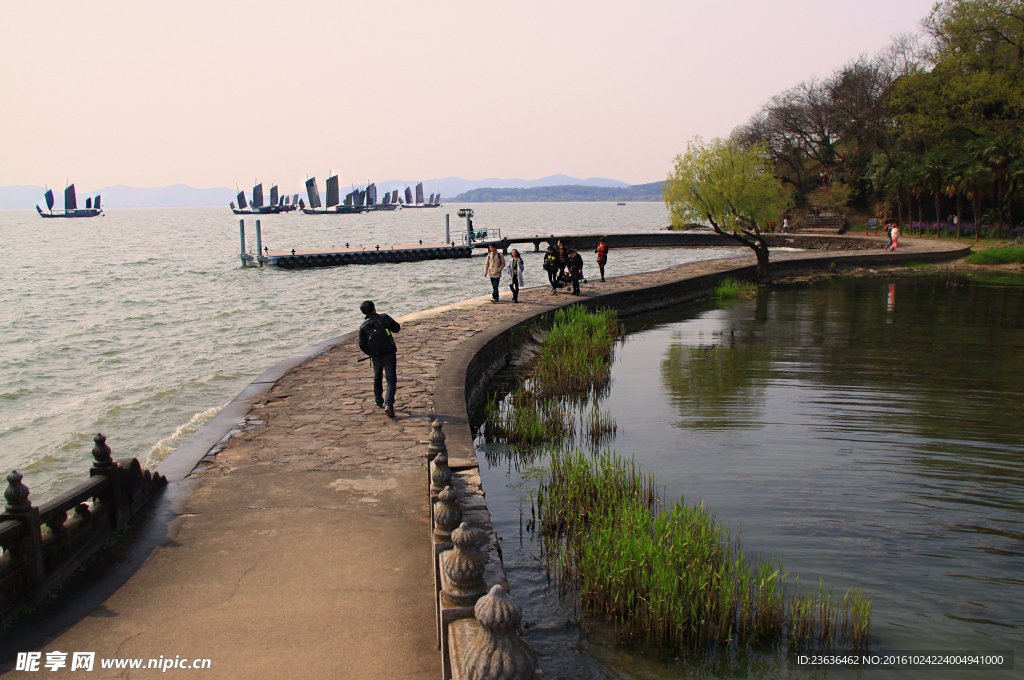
x=285 y=200
x=419 y=192
x=88 y=204
x=70 y=202
x=371 y=195
x=233 y=205
x=295 y=199
x=348 y=199
x=394 y=196
x=257 y=196
x=273 y=195
x=49 y=199
x=240 y=198
x=313 y=193
x=333 y=195
x=96 y=203
x=387 y=198
x=360 y=198
x=302 y=204
x=408 y=195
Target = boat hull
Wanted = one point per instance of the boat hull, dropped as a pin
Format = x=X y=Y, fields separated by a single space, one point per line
x=86 y=212
x=341 y=210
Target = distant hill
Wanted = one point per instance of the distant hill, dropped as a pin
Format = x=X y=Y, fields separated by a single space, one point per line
x=572 y=192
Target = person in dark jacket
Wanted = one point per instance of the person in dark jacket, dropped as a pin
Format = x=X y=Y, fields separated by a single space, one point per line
x=376 y=341
x=575 y=270
x=563 y=256
x=551 y=267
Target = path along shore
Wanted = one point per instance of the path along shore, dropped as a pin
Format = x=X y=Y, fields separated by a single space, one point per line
x=302 y=549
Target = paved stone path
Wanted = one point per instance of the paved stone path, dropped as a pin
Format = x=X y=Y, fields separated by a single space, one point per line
x=304 y=552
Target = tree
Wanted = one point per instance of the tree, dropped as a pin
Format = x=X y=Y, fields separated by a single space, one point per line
x=732 y=187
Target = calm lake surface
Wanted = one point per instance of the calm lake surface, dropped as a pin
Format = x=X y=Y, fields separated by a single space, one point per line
x=867 y=431
x=141 y=324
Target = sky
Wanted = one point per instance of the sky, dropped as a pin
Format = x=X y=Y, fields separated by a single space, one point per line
x=213 y=93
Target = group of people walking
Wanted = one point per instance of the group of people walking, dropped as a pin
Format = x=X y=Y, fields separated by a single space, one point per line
x=562 y=263
x=894 y=236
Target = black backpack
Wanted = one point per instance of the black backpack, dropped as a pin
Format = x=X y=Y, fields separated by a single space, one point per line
x=378 y=339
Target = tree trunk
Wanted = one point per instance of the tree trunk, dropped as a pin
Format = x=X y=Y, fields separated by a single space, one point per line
x=764 y=272
x=899 y=206
x=977 y=214
x=959 y=213
x=997 y=208
x=938 y=215
x=920 y=216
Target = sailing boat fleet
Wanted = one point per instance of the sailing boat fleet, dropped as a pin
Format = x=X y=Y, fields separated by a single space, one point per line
x=354 y=202
x=71 y=209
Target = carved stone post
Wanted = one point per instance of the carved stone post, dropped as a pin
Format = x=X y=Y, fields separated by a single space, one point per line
x=447 y=514
x=103 y=464
x=437 y=438
x=493 y=650
x=463 y=569
x=20 y=509
x=440 y=474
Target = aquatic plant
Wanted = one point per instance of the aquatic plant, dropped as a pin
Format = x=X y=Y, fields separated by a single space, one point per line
x=731 y=288
x=671 y=575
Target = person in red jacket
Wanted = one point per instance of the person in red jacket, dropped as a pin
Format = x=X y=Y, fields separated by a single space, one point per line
x=602 y=255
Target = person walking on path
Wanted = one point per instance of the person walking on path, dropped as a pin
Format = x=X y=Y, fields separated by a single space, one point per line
x=551 y=267
x=515 y=270
x=894 y=236
x=785 y=225
x=563 y=257
x=602 y=256
x=493 y=267
x=575 y=270
x=377 y=342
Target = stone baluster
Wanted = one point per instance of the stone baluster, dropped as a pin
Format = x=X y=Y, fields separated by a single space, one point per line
x=440 y=474
x=20 y=509
x=496 y=651
x=103 y=464
x=437 y=438
x=447 y=514
x=463 y=568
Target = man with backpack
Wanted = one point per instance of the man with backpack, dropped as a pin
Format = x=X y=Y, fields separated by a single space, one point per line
x=376 y=341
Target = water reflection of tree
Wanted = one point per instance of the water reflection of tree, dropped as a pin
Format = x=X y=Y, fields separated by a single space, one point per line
x=717 y=385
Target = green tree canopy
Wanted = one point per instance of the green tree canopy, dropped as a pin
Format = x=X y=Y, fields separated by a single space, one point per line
x=729 y=185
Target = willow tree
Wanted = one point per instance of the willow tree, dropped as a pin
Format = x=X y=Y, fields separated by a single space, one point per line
x=730 y=186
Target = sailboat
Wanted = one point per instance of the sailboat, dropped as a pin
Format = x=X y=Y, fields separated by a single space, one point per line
x=386 y=204
x=333 y=200
x=277 y=204
x=433 y=202
x=92 y=205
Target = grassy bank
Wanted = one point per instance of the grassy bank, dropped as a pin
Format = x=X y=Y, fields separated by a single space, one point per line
x=670 y=575
x=998 y=255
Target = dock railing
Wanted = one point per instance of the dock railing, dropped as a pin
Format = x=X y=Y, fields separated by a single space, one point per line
x=43 y=547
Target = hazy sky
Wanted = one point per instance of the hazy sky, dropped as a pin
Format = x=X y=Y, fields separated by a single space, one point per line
x=212 y=93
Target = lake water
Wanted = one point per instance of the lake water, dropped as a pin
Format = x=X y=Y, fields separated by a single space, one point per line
x=141 y=324
x=867 y=431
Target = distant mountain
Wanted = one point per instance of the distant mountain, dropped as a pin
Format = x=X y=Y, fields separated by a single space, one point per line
x=453 y=186
x=119 y=196
x=639 y=192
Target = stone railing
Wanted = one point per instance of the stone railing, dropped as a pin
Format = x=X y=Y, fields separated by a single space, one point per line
x=43 y=547
x=477 y=620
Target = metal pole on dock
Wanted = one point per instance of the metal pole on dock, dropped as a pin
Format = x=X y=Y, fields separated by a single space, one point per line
x=241 y=232
x=447 y=228
x=259 y=243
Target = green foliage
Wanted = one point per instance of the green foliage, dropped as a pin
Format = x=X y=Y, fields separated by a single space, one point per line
x=1006 y=255
x=728 y=185
x=731 y=289
x=671 y=575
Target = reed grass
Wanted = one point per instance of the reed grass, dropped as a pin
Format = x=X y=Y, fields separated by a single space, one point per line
x=1004 y=255
x=671 y=575
x=731 y=289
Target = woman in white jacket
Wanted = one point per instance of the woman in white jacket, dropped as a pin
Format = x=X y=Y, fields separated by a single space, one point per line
x=515 y=271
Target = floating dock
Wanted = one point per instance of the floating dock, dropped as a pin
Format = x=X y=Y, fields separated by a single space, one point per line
x=304 y=259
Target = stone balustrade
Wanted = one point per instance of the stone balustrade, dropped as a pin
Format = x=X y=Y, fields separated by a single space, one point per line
x=44 y=546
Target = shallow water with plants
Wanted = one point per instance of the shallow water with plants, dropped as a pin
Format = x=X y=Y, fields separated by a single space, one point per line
x=865 y=432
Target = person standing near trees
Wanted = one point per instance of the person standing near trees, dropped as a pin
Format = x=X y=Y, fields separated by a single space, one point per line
x=377 y=342
x=551 y=267
x=563 y=256
x=493 y=267
x=602 y=256
x=515 y=270
x=785 y=225
x=894 y=237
